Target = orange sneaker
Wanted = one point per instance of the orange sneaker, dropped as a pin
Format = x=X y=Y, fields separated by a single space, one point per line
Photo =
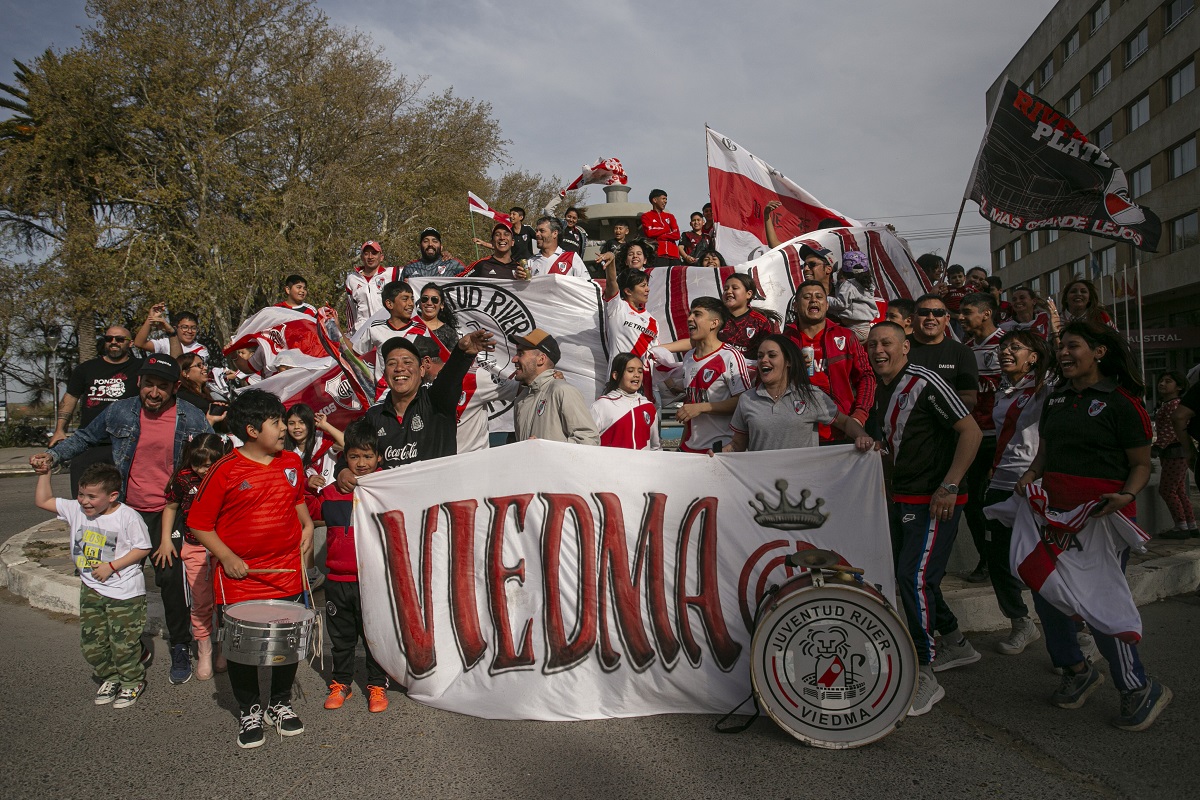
x=338 y=693
x=376 y=699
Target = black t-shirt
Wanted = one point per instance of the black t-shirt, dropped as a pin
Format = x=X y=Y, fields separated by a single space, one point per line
x=915 y=415
x=1191 y=399
x=573 y=239
x=98 y=382
x=952 y=360
x=1085 y=434
x=523 y=242
x=491 y=268
x=611 y=246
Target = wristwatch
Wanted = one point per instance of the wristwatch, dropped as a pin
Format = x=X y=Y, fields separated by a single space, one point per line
x=952 y=488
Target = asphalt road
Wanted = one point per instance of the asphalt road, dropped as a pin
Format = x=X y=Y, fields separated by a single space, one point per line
x=17 y=511
x=993 y=736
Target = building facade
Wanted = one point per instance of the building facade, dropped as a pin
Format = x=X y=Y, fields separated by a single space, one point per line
x=1125 y=72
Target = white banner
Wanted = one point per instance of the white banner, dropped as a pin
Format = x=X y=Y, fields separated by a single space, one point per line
x=555 y=581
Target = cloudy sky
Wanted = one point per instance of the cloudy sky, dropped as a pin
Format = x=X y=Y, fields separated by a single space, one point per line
x=877 y=108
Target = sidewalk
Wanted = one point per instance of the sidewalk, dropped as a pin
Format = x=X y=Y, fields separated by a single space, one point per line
x=15 y=460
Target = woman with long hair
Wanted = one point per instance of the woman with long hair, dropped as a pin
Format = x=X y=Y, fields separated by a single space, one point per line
x=746 y=324
x=637 y=254
x=437 y=315
x=1026 y=365
x=1080 y=301
x=1172 y=483
x=784 y=409
x=713 y=259
x=193 y=388
x=1095 y=447
x=623 y=414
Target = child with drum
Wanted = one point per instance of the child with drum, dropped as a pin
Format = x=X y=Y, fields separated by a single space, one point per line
x=108 y=540
x=343 y=607
x=250 y=514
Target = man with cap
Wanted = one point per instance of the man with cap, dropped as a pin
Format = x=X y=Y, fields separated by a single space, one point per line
x=502 y=263
x=147 y=434
x=551 y=259
x=418 y=421
x=547 y=408
x=431 y=264
x=364 y=286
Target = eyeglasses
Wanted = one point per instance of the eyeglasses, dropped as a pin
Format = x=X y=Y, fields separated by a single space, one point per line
x=116 y=338
x=434 y=299
x=932 y=312
x=1011 y=348
x=187 y=328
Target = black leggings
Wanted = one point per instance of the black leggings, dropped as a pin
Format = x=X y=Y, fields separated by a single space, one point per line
x=243 y=678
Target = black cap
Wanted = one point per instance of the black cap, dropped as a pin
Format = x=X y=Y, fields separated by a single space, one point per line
x=399 y=342
x=429 y=232
x=160 y=364
x=538 y=339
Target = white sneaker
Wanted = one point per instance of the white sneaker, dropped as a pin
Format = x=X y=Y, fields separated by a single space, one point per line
x=107 y=692
x=929 y=691
x=1023 y=634
x=950 y=655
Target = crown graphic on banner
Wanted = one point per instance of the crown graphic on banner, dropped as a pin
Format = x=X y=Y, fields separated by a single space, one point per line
x=788 y=516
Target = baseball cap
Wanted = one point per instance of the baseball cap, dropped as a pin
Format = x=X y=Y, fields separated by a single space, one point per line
x=374 y=245
x=538 y=339
x=161 y=365
x=501 y=226
x=855 y=262
x=807 y=250
x=398 y=343
x=429 y=232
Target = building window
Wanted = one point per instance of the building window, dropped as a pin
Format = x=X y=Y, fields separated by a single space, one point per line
x=1105 y=264
x=1137 y=45
x=1185 y=231
x=1029 y=87
x=1139 y=112
x=1183 y=158
x=1001 y=258
x=1099 y=15
x=1078 y=268
x=1016 y=250
x=1103 y=136
x=1051 y=283
x=1180 y=82
x=1071 y=44
x=1102 y=76
x=1047 y=70
x=1073 y=101
x=1033 y=241
x=1175 y=11
x=1052 y=235
x=1139 y=181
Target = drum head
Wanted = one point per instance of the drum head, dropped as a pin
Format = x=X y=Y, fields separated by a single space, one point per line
x=833 y=666
x=270 y=612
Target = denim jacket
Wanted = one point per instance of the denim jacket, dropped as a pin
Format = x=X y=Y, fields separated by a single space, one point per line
x=119 y=425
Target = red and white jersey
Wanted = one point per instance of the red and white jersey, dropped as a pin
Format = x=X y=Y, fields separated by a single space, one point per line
x=367 y=341
x=560 y=262
x=988 y=362
x=718 y=376
x=626 y=420
x=482 y=386
x=629 y=330
x=164 y=346
x=1015 y=417
x=1040 y=324
x=364 y=295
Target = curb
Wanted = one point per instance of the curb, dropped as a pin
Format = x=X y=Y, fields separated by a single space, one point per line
x=975 y=607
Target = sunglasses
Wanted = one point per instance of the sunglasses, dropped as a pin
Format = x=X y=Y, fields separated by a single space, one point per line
x=434 y=299
x=116 y=338
x=932 y=312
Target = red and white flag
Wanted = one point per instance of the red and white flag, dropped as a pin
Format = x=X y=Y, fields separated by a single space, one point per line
x=740 y=184
x=325 y=389
x=606 y=171
x=476 y=204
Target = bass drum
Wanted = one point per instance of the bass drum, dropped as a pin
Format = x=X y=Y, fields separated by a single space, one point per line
x=832 y=663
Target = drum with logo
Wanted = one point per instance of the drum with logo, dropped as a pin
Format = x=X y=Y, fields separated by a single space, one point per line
x=266 y=633
x=831 y=662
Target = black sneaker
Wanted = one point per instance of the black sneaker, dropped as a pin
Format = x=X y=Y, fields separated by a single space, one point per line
x=980 y=574
x=1076 y=687
x=251 y=733
x=1141 y=707
x=284 y=719
x=181 y=664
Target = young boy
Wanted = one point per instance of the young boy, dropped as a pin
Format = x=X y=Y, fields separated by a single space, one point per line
x=250 y=514
x=715 y=374
x=398 y=300
x=343 y=609
x=901 y=311
x=295 y=291
x=180 y=339
x=108 y=539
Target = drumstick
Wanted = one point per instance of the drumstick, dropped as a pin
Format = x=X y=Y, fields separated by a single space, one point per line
x=267 y=571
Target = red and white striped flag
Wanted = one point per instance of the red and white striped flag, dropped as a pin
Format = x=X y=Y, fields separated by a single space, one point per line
x=278 y=329
x=476 y=204
x=606 y=171
x=740 y=185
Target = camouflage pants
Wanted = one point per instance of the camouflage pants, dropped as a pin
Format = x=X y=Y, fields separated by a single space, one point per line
x=110 y=634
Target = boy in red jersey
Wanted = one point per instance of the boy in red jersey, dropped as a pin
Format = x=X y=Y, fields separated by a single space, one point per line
x=250 y=514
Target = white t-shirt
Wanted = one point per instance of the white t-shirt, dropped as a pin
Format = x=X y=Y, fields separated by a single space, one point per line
x=629 y=330
x=626 y=420
x=164 y=346
x=367 y=341
x=719 y=376
x=99 y=540
x=482 y=386
x=558 y=264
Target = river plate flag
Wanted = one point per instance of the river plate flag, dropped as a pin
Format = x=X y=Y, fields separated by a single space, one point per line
x=1036 y=170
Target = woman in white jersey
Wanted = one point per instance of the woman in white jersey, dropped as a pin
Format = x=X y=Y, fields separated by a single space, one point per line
x=624 y=417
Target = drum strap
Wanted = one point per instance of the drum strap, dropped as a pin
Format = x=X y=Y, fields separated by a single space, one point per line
x=762 y=602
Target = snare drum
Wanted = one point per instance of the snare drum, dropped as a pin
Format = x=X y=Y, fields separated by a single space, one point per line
x=266 y=633
x=831 y=662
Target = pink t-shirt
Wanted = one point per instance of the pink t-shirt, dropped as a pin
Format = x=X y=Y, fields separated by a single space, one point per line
x=153 y=461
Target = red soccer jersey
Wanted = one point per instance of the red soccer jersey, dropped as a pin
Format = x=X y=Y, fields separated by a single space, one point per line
x=252 y=507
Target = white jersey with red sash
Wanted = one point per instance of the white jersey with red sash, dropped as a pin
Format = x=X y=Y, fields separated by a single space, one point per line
x=1040 y=324
x=988 y=362
x=1015 y=416
x=560 y=262
x=626 y=420
x=629 y=330
x=718 y=376
x=482 y=386
x=367 y=344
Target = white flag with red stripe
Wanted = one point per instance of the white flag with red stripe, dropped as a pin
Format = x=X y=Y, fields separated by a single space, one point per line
x=740 y=184
x=475 y=203
x=606 y=171
x=278 y=329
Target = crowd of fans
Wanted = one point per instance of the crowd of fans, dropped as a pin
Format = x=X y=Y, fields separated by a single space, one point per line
x=970 y=394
